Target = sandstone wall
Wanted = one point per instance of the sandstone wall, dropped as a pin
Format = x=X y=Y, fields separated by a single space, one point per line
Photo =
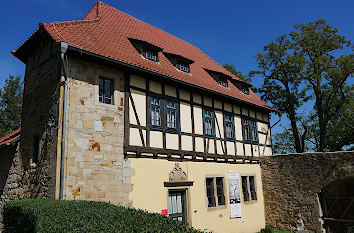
x=95 y=165
x=291 y=183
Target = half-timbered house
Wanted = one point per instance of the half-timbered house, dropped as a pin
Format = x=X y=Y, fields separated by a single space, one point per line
x=136 y=116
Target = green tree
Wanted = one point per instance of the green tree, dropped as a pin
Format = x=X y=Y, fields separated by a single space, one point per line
x=233 y=70
x=281 y=69
x=324 y=73
x=309 y=64
x=10 y=105
x=341 y=128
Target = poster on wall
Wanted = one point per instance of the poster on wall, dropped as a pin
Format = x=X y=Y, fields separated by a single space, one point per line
x=235 y=198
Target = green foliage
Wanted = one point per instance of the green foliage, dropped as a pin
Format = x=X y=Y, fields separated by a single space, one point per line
x=283 y=143
x=350 y=228
x=324 y=73
x=281 y=68
x=312 y=64
x=341 y=128
x=233 y=70
x=44 y=215
x=269 y=229
x=10 y=105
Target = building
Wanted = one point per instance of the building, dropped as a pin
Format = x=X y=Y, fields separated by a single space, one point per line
x=118 y=110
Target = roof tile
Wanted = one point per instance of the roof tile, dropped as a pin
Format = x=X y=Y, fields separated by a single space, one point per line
x=106 y=31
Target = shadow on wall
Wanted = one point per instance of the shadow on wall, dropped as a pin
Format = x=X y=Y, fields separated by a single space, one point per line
x=337 y=204
x=6 y=156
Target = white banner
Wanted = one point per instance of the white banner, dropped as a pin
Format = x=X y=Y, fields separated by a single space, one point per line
x=235 y=198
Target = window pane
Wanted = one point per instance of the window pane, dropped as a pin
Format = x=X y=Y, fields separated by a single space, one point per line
x=171 y=114
x=245 y=188
x=210 y=191
x=220 y=190
x=252 y=188
x=179 y=203
x=169 y=204
x=174 y=204
x=229 y=127
x=151 y=55
x=209 y=126
x=155 y=104
x=105 y=91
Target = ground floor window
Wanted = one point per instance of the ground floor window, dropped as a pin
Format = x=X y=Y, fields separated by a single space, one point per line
x=215 y=191
x=248 y=188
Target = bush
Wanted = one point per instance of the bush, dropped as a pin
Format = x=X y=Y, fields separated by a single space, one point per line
x=267 y=229
x=44 y=215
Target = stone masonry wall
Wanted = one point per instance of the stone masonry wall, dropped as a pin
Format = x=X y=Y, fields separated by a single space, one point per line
x=95 y=165
x=291 y=183
x=26 y=178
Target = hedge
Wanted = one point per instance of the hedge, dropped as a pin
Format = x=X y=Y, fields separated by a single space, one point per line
x=44 y=215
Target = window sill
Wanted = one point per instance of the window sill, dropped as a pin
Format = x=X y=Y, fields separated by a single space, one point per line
x=219 y=207
x=209 y=136
x=250 y=202
x=156 y=128
x=106 y=105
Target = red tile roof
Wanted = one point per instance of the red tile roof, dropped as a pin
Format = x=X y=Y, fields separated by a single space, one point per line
x=11 y=137
x=105 y=31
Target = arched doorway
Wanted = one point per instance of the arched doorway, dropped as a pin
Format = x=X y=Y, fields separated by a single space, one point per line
x=337 y=203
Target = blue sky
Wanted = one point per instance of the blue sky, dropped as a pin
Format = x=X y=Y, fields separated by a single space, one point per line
x=228 y=31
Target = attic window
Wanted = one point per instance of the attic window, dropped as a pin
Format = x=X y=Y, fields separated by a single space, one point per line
x=245 y=90
x=150 y=55
x=223 y=82
x=183 y=67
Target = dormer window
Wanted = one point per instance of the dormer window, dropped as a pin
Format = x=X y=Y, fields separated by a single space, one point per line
x=183 y=67
x=245 y=90
x=150 y=55
x=223 y=82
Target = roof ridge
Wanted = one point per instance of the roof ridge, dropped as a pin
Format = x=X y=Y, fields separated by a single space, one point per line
x=98 y=18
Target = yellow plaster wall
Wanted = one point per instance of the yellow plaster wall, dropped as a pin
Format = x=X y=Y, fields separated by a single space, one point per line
x=149 y=193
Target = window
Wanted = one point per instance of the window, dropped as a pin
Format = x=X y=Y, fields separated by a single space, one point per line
x=220 y=190
x=229 y=126
x=155 y=110
x=35 y=148
x=246 y=196
x=215 y=191
x=210 y=191
x=106 y=91
x=150 y=55
x=250 y=130
x=171 y=115
x=209 y=123
x=223 y=82
x=248 y=188
x=245 y=90
x=252 y=188
x=183 y=67
x=163 y=116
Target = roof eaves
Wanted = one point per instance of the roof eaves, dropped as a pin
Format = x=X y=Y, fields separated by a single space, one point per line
x=131 y=65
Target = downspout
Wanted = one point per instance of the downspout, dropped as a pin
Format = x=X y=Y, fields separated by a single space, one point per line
x=63 y=49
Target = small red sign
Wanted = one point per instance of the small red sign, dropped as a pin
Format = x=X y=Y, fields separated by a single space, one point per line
x=164 y=212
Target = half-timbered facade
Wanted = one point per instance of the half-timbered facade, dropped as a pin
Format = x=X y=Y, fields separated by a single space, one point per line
x=144 y=119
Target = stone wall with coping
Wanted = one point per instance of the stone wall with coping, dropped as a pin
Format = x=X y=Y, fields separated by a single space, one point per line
x=95 y=168
x=291 y=183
